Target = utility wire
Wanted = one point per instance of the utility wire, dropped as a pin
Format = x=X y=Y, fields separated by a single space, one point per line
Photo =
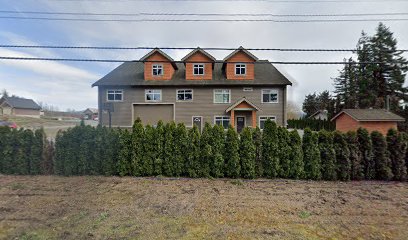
x=272 y=1
x=206 y=20
x=186 y=48
x=218 y=61
x=201 y=14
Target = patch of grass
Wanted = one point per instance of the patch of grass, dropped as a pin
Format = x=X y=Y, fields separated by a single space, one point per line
x=304 y=214
x=17 y=186
x=103 y=216
x=237 y=182
x=29 y=236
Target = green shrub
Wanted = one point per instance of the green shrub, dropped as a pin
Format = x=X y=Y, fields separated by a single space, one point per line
x=366 y=150
x=397 y=150
x=296 y=156
x=193 y=153
x=218 y=144
x=327 y=156
x=232 y=165
x=357 y=168
x=257 y=138
x=270 y=157
x=284 y=152
x=247 y=154
x=311 y=155
x=381 y=157
x=342 y=151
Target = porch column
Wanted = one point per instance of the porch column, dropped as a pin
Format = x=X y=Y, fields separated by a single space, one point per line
x=253 y=118
x=232 y=118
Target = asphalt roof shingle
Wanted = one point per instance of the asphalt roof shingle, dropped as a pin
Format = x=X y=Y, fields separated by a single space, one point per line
x=23 y=103
x=371 y=115
x=132 y=74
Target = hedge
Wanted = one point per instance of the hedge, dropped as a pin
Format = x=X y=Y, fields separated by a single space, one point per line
x=172 y=150
x=313 y=124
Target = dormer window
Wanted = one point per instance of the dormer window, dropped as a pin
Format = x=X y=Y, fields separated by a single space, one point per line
x=240 y=69
x=198 y=69
x=157 y=69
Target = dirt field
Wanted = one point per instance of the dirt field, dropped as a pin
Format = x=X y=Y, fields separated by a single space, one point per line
x=48 y=207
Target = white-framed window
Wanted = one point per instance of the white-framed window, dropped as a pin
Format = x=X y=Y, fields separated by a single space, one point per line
x=222 y=96
x=240 y=69
x=222 y=120
x=198 y=69
x=269 y=96
x=184 y=95
x=114 y=95
x=262 y=120
x=247 y=89
x=153 y=95
x=157 y=69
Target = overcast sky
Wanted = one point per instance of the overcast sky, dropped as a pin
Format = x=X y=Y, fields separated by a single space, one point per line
x=68 y=85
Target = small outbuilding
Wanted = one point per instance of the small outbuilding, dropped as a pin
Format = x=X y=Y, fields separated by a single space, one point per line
x=91 y=113
x=379 y=120
x=320 y=115
x=17 y=106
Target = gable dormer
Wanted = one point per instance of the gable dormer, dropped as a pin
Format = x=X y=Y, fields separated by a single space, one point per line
x=199 y=65
x=158 y=65
x=239 y=65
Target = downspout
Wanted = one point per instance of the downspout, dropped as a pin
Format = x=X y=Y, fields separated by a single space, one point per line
x=284 y=107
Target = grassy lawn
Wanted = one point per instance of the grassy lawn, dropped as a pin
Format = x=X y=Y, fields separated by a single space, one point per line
x=50 y=207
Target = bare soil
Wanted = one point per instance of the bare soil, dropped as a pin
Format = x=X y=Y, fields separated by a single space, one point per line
x=50 y=207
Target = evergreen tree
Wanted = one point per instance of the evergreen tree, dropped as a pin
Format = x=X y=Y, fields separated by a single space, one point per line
x=327 y=156
x=311 y=155
x=357 y=167
x=206 y=159
x=180 y=149
x=247 y=154
x=169 y=147
x=5 y=150
x=366 y=150
x=232 y=164
x=381 y=157
x=296 y=156
x=342 y=151
x=125 y=153
x=284 y=152
x=310 y=104
x=257 y=138
x=159 y=143
x=218 y=144
x=37 y=149
x=270 y=158
x=150 y=150
x=397 y=150
x=346 y=85
x=193 y=152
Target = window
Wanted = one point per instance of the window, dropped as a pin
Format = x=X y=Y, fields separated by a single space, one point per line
x=222 y=120
x=185 y=95
x=262 y=120
x=269 y=96
x=247 y=89
x=240 y=69
x=198 y=69
x=222 y=96
x=114 y=95
x=153 y=95
x=157 y=69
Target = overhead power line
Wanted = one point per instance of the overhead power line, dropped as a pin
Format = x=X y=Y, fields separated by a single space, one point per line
x=272 y=1
x=185 y=48
x=202 y=14
x=205 y=20
x=218 y=61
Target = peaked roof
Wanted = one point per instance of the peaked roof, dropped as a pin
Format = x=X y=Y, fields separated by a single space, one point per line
x=157 y=50
x=241 y=49
x=241 y=101
x=24 y=103
x=370 y=115
x=92 y=110
x=318 y=112
x=198 y=49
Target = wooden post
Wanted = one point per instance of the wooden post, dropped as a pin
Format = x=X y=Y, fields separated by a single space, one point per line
x=232 y=118
x=253 y=118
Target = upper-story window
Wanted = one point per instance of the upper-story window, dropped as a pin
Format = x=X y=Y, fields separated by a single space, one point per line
x=222 y=96
x=269 y=96
x=153 y=95
x=114 y=95
x=157 y=69
x=240 y=69
x=185 y=95
x=198 y=69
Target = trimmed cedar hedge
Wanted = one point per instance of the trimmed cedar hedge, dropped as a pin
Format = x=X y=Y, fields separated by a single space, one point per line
x=313 y=124
x=175 y=151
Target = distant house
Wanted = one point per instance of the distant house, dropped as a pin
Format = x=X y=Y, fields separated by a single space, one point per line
x=16 y=106
x=320 y=115
x=91 y=113
x=371 y=119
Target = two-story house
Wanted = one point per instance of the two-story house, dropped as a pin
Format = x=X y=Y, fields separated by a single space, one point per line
x=240 y=90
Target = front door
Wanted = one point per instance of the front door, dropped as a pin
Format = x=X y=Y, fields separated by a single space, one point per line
x=240 y=123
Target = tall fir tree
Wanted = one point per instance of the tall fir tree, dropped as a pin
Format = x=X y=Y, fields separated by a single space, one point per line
x=270 y=157
x=180 y=149
x=284 y=152
x=232 y=164
x=311 y=155
x=381 y=157
x=193 y=152
x=125 y=153
x=159 y=144
x=346 y=85
x=357 y=167
x=257 y=138
x=137 y=148
x=342 y=151
x=169 y=160
x=397 y=150
x=247 y=154
x=150 y=150
x=366 y=149
x=218 y=144
x=327 y=155
x=296 y=156
x=206 y=141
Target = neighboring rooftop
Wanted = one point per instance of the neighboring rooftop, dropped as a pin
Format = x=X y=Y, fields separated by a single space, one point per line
x=370 y=115
x=22 y=103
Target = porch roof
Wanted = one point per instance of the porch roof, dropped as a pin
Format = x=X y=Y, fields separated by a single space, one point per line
x=242 y=105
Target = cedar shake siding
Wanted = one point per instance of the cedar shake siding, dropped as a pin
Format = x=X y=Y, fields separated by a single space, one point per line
x=126 y=86
x=202 y=105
